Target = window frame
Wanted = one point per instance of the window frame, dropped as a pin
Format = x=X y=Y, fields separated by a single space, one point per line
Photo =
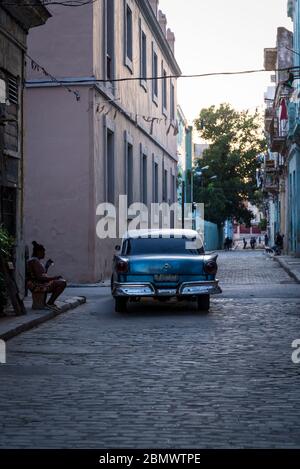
x=164 y=93
x=172 y=101
x=155 y=179
x=128 y=61
x=143 y=58
x=154 y=74
x=143 y=183
x=109 y=56
x=110 y=162
x=129 y=154
x=165 y=184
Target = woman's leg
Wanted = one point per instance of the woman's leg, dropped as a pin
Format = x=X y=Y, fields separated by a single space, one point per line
x=57 y=288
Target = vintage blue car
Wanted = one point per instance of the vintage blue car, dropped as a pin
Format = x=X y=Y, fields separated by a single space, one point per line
x=163 y=264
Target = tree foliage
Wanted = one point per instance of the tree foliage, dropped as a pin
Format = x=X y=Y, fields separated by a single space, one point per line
x=235 y=140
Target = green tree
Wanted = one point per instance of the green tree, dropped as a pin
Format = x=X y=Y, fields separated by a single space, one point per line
x=235 y=140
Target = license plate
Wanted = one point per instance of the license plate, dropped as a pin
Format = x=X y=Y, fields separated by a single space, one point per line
x=166 y=278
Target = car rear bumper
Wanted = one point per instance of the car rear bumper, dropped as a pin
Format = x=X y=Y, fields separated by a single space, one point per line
x=149 y=290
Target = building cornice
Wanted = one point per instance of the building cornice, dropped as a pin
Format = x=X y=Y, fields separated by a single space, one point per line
x=154 y=25
x=181 y=115
x=27 y=14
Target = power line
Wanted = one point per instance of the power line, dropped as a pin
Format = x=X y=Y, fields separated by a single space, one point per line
x=291 y=50
x=64 y=84
x=64 y=3
x=39 y=68
x=163 y=77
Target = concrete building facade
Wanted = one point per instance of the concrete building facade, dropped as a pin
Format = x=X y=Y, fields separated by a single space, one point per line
x=293 y=174
x=109 y=138
x=15 y=22
x=273 y=177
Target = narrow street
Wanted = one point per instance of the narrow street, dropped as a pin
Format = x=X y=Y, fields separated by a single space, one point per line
x=162 y=375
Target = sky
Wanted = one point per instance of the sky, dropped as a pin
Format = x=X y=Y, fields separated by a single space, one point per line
x=223 y=35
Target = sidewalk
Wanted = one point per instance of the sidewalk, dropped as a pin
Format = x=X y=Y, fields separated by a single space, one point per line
x=104 y=284
x=12 y=325
x=290 y=264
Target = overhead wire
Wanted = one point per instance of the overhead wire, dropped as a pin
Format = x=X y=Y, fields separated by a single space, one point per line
x=64 y=3
x=198 y=75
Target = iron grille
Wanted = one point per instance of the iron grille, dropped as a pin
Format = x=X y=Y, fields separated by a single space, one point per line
x=13 y=90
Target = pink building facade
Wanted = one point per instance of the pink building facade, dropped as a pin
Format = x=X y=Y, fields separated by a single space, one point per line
x=106 y=139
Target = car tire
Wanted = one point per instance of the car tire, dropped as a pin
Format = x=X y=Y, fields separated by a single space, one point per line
x=121 y=305
x=203 y=302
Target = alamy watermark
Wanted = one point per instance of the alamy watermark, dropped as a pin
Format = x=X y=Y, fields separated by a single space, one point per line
x=296 y=352
x=2 y=351
x=115 y=221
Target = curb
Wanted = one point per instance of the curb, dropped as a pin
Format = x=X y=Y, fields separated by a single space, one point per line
x=286 y=268
x=105 y=284
x=26 y=326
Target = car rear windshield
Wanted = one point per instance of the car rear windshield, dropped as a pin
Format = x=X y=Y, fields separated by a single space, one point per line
x=160 y=246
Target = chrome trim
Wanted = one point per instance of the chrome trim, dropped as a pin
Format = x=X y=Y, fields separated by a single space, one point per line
x=133 y=289
x=166 y=292
x=185 y=289
x=204 y=287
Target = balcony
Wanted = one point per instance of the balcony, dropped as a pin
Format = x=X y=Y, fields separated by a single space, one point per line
x=270 y=165
x=270 y=59
x=271 y=181
x=278 y=135
x=269 y=115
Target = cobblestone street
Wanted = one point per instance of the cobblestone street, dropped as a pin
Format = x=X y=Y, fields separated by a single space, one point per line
x=162 y=375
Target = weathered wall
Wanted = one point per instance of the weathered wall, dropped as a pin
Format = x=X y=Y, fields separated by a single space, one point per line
x=213 y=239
x=57 y=200
x=131 y=95
x=284 y=54
x=294 y=205
x=72 y=45
x=64 y=45
x=11 y=135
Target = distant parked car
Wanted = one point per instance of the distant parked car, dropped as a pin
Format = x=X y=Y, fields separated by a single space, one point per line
x=162 y=264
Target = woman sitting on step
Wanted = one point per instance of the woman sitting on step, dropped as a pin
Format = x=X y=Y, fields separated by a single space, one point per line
x=38 y=281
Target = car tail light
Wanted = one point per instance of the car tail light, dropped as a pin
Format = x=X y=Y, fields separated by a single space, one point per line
x=210 y=267
x=122 y=267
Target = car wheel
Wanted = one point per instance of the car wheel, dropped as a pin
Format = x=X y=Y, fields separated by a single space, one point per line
x=203 y=302
x=121 y=305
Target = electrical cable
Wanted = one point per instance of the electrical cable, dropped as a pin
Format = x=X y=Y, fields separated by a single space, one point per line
x=199 y=75
x=64 y=3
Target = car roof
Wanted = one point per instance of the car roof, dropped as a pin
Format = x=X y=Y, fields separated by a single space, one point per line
x=164 y=232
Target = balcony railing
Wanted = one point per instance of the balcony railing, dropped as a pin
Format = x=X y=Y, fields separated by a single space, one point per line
x=278 y=134
x=271 y=181
x=269 y=165
x=269 y=115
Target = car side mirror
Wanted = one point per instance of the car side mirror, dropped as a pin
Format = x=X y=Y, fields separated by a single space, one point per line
x=117 y=247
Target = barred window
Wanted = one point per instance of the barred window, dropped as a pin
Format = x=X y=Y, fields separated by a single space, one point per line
x=13 y=90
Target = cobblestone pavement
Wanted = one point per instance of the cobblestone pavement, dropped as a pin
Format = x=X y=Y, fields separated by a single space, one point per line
x=162 y=375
